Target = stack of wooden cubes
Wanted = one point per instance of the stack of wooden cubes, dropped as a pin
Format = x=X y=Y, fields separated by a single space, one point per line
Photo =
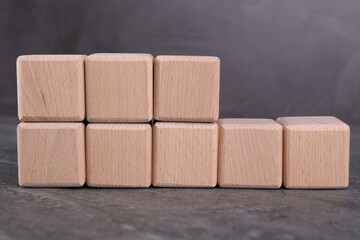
x=156 y=121
x=51 y=102
x=187 y=100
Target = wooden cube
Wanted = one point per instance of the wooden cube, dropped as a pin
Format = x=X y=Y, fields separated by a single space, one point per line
x=51 y=154
x=250 y=153
x=118 y=155
x=51 y=87
x=119 y=88
x=186 y=88
x=316 y=152
x=185 y=154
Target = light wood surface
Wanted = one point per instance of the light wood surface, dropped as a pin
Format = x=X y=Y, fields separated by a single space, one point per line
x=186 y=88
x=316 y=152
x=51 y=154
x=51 y=87
x=250 y=153
x=185 y=154
x=118 y=155
x=119 y=88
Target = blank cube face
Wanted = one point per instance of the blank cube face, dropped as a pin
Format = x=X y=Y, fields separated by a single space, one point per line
x=118 y=155
x=250 y=153
x=185 y=154
x=51 y=154
x=119 y=88
x=186 y=88
x=51 y=88
x=316 y=152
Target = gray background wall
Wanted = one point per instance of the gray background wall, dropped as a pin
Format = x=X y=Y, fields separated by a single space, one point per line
x=278 y=57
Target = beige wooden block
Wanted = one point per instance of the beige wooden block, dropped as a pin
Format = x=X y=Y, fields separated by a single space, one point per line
x=250 y=153
x=51 y=87
x=51 y=154
x=185 y=154
x=186 y=88
x=316 y=152
x=118 y=155
x=119 y=88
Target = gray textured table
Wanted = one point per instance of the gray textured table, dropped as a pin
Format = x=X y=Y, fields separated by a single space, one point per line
x=164 y=213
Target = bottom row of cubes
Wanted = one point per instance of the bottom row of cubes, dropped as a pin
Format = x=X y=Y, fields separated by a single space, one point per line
x=244 y=153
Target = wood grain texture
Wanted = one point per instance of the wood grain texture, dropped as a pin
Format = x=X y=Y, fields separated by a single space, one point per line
x=185 y=154
x=51 y=154
x=118 y=155
x=186 y=88
x=250 y=153
x=316 y=152
x=119 y=87
x=51 y=87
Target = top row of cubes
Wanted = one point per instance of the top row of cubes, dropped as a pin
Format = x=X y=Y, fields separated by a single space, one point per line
x=118 y=88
